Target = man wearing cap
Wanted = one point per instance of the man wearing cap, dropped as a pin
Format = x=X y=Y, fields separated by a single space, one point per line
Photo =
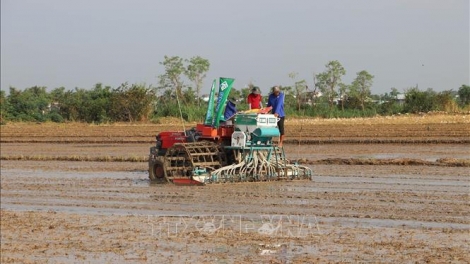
x=276 y=101
x=254 y=99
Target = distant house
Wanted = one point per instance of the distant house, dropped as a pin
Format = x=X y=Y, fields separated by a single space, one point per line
x=205 y=98
x=400 y=99
x=372 y=101
x=309 y=97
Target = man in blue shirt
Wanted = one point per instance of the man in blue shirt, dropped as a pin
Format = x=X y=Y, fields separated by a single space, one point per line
x=276 y=101
x=230 y=109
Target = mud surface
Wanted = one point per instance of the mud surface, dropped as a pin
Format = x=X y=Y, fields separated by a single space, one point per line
x=108 y=212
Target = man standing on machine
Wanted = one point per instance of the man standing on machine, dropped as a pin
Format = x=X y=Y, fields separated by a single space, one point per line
x=254 y=99
x=276 y=101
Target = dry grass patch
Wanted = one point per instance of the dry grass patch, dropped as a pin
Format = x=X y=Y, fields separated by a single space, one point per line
x=399 y=119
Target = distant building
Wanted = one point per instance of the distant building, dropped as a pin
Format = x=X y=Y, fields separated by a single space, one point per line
x=309 y=97
x=400 y=99
x=205 y=98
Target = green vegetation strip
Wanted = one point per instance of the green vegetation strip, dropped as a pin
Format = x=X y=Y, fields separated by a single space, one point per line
x=447 y=162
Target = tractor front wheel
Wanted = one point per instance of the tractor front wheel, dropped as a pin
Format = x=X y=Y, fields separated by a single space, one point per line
x=156 y=171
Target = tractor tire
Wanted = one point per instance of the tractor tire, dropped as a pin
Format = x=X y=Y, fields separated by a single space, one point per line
x=157 y=171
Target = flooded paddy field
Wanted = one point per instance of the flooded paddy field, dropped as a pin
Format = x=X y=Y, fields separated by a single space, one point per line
x=59 y=211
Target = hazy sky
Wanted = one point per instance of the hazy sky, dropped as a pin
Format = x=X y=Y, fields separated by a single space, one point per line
x=78 y=43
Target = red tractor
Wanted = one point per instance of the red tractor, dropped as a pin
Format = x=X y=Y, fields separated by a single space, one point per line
x=236 y=149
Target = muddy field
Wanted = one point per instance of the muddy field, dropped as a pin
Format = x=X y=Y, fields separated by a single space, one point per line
x=59 y=205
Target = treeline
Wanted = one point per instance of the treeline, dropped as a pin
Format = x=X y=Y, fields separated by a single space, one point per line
x=331 y=97
x=126 y=103
x=178 y=95
x=132 y=103
x=413 y=101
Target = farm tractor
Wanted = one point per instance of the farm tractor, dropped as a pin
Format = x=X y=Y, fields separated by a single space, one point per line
x=234 y=148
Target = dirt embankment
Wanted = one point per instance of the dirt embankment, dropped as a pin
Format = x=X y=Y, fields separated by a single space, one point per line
x=400 y=129
x=302 y=134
